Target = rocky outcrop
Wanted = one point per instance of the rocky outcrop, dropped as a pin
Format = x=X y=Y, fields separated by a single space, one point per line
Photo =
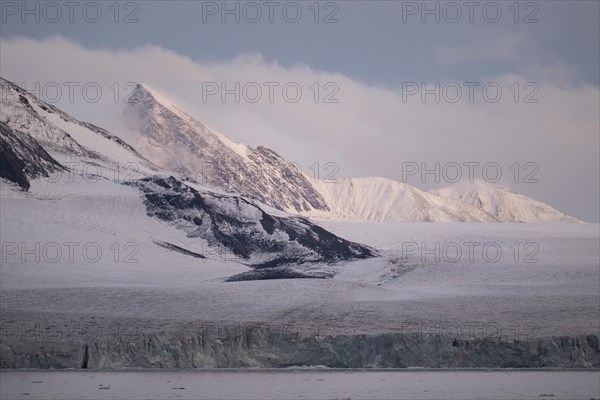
x=271 y=244
x=22 y=158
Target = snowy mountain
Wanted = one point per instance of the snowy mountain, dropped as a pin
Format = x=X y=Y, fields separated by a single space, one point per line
x=174 y=140
x=385 y=200
x=166 y=141
x=171 y=138
x=49 y=155
x=502 y=203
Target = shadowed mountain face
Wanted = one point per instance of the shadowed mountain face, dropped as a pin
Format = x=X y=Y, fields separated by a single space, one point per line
x=253 y=236
x=22 y=158
x=176 y=141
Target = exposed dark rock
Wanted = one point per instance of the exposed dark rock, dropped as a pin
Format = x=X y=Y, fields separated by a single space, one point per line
x=275 y=272
x=22 y=158
x=178 y=249
x=257 y=238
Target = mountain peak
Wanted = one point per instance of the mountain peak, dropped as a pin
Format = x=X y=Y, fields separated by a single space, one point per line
x=147 y=89
x=149 y=97
x=175 y=140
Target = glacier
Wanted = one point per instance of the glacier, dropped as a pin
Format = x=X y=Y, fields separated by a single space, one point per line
x=113 y=257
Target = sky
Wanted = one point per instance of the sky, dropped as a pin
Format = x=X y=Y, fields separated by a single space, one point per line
x=420 y=92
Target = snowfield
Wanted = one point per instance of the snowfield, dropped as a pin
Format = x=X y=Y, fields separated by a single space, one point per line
x=557 y=292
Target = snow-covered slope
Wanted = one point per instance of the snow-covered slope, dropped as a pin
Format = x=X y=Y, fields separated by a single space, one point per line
x=75 y=159
x=174 y=140
x=385 y=200
x=503 y=203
